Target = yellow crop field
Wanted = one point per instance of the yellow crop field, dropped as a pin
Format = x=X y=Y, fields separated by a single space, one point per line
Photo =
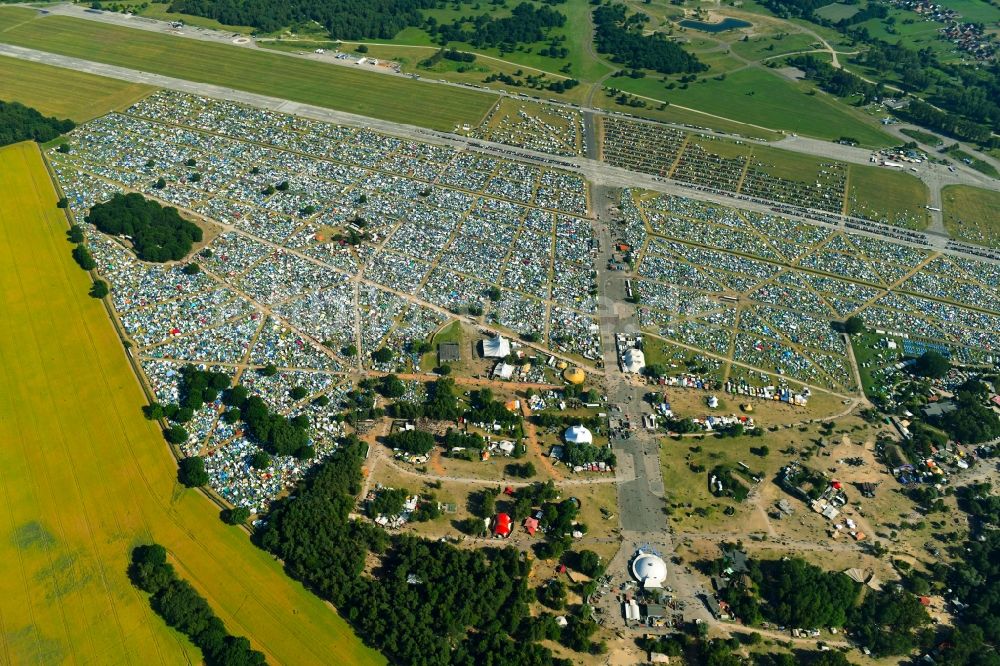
x=84 y=477
x=64 y=93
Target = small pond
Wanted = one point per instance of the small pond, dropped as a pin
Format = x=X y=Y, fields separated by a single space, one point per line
x=727 y=23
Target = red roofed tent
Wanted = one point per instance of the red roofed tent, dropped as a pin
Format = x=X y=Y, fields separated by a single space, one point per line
x=508 y=491
x=531 y=525
x=837 y=485
x=502 y=527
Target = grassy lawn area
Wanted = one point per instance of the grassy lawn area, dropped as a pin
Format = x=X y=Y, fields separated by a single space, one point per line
x=474 y=73
x=64 y=93
x=85 y=478
x=913 y=31
x=582 y=64
x=970 y=214
x=979 y=165
x=868 y=349
x=758 y=48
x=837 y=11
x=674 y=114
x=332 y=86
x=686 y=465
x=762 y=97
x=893 y=197
x=160 y=11
x=450 y=333
x=788 y=165
x=923 y=137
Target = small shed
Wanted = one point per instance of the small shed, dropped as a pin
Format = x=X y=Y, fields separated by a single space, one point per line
x=449 y=352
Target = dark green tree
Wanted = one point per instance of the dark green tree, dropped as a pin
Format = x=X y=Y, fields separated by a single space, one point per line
x=191 y=472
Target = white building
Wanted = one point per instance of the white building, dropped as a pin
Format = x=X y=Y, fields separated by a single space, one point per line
x=633 y=361
x=497 y=347
x=578 y=435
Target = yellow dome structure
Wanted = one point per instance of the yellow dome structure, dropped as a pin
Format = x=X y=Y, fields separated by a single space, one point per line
x=574 y=375
x=747 y=407
x=562 y=365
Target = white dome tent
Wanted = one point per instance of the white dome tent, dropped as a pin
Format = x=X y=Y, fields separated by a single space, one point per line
x=578 y=435
x=649 y=569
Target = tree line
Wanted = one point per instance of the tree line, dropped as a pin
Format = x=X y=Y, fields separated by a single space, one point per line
x=22 y=123
x=158 y=233
x=185 y=610
x=835 y=81
x=343 y=19
x=793 y=593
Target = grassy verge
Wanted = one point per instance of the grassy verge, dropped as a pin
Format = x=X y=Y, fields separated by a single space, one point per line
x=332 y=86
x=763 y=97
x=85 y=478
x=677 y=115
x=64 y=93
x=893 y=197
x=925 y=138
x=970 y=214
x=974 y=162
x=866 y=353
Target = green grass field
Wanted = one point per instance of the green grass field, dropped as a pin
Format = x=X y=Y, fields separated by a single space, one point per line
x=837 y=11
x=64 y=93
x=789 y=165
x=583 y=65
x=673 y=114
x=85 y=477
x=332 y=86
x=925 y=138
x=763 y=98
x=896 y=196
x=408 y=58
x=970 y=214
x=979 y=165
x=758 y=48
x=160 y=12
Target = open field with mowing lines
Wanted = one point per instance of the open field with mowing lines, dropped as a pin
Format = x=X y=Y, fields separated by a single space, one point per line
x=63 y=93
x=299 y=80
x=970 y=214
x=763 y=98
x=84 y=478
x=886 y=194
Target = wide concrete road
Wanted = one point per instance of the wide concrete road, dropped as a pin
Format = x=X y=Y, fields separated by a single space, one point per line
x=640 y=487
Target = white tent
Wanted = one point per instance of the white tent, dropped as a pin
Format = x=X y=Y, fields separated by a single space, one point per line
x=633 y=361
x=649 y=569
x=579 y=435
x=497 y=347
